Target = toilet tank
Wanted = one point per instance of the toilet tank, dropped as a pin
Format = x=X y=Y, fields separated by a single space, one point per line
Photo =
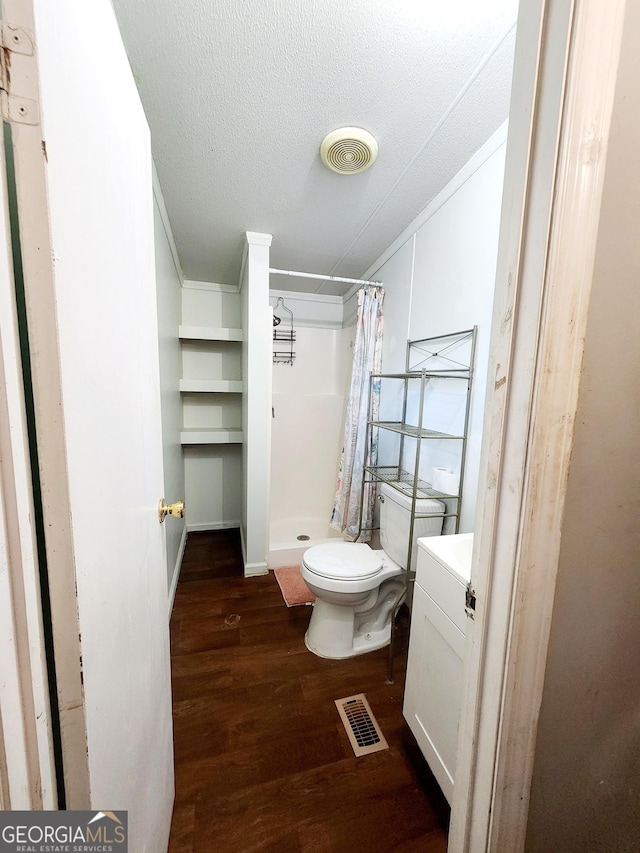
x=395 y=516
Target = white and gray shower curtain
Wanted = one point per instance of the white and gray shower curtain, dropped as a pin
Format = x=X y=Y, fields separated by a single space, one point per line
x=367 y=359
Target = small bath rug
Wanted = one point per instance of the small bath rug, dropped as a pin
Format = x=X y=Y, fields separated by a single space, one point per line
x=360 y=725
x=294 y=590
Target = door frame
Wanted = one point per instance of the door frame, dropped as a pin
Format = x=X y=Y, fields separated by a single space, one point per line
x=41 y=321
x=27 y=774
x=567 y=55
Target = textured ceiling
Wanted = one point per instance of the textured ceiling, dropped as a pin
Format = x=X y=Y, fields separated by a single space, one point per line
x=240 y=93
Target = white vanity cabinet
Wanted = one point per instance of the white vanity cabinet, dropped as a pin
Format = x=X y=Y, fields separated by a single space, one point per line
x=434 y=687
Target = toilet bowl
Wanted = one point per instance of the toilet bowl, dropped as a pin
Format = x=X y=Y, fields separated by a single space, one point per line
x=357 y=588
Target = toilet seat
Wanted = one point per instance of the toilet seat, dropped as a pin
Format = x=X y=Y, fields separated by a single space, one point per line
x=343 y=561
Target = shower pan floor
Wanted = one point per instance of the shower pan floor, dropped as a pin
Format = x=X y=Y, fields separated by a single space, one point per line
x=289 y=539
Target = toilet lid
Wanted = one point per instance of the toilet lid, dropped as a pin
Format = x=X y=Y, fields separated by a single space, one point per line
x=343 y=561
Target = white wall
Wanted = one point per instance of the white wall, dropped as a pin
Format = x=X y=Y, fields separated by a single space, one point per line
x=213 y=476
x=209 y=304
x=585 y=793
x=169 y=302
x=438 y=278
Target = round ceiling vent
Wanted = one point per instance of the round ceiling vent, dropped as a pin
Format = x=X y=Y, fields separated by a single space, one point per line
x=348 y=150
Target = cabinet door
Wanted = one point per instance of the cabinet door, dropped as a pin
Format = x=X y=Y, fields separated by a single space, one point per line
x=433 y=691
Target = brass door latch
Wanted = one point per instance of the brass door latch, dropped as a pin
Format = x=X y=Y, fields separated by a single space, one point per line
x=175 y=509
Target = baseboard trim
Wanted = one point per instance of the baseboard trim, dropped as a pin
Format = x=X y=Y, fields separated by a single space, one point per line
x=253 y=569
x=212 y=525
x=243 y=546
x=176 y=571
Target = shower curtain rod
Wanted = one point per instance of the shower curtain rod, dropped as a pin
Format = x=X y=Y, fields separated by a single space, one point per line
x=323 y=277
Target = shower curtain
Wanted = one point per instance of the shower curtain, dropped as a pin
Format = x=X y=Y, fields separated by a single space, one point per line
x=367 y=359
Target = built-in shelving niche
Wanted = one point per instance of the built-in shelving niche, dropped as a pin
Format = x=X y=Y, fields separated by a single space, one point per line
x=212 y=385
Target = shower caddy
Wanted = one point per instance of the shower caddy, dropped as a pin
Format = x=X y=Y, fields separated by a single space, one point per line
x=444 y=357
x=284 y=337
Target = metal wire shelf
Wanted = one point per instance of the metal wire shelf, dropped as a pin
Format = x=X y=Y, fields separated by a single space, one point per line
x=412 y=431
x=443 y=357
x=403 y=482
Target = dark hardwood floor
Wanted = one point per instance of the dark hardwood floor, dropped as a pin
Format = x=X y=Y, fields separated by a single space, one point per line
x=262 y=760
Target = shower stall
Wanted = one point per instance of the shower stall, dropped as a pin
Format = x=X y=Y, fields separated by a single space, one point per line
x=309 y=397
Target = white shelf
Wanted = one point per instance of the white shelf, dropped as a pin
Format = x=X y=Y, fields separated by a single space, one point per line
x=211 y=386
x=208 y=333
x=211 y=436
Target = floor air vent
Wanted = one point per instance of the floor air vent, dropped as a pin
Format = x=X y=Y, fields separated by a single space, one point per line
x=360 y=725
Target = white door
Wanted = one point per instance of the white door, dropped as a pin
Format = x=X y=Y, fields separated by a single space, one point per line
x=83 y=179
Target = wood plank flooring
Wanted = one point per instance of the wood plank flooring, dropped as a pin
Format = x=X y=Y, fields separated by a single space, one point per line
x=262 y=760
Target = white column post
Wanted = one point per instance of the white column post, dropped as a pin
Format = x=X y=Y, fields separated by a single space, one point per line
x=256 y=403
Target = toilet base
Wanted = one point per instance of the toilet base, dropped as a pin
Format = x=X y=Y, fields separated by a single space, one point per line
x=360 y=645
x=337 y=631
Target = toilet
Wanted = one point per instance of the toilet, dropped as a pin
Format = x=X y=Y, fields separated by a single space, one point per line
x=358 y=588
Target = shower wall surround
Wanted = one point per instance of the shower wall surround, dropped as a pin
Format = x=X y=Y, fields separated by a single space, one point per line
x=308 y=406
